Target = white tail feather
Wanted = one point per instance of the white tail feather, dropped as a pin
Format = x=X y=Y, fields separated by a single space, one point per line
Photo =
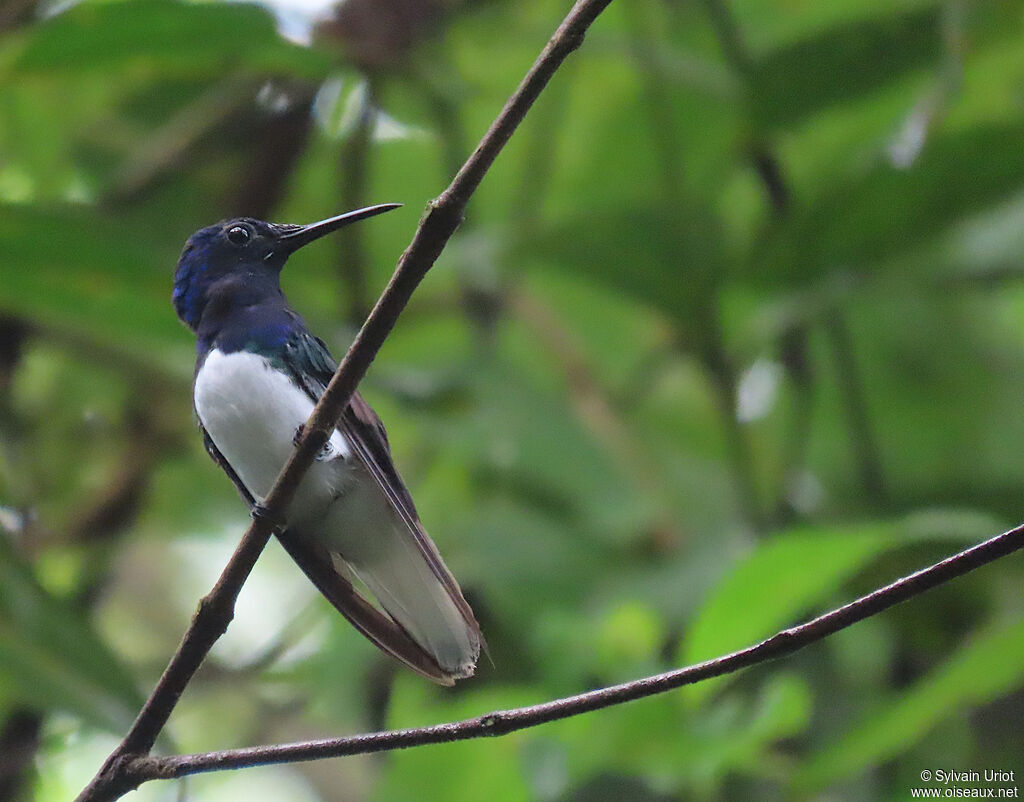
x=363 y=530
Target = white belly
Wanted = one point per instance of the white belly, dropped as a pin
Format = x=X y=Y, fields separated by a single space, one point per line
x=251 y=412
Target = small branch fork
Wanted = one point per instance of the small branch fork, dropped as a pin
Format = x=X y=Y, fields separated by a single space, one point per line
x=442 y=218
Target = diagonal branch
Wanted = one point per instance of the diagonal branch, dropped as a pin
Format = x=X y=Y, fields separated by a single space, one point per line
x=442 y=218
x=505 y=721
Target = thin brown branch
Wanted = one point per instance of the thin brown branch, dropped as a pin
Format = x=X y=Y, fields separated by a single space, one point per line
x=659 y=107
x=15 y=13
x=442 y=218
x=503 y=722
x=447 y=113
x=729 y=37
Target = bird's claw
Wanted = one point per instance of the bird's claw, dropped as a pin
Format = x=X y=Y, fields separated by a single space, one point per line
x=325 y=449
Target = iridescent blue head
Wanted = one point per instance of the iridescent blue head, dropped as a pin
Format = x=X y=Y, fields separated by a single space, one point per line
x=237 y=263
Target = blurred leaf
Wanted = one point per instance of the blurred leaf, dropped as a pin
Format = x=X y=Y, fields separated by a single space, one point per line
x=888 y=210
x=843 y=63
x=846 y=63
x=778 y=581
x=160 y=37
x=627 y=640
x=783 y=710
x=533 y=550
x=50 y=656
x=85 y=276
x=956 y=525
x=661 y=256
x=659 y=741
x=525 y=439
x=989 y=665
x=455 y=771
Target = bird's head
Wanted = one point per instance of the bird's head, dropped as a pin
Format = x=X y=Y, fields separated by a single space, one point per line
x=242 y=258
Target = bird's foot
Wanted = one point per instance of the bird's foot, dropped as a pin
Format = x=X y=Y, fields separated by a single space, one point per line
x=325 y=450
x=261 y=513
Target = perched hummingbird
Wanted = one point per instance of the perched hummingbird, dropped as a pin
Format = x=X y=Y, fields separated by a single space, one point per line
x=352 y=526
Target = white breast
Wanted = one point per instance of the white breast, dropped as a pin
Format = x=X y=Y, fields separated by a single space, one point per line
x=251 y=412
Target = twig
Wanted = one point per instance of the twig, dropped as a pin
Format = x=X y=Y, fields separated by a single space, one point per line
x=354 y=165
x=858 y=419
x=447 y=114
x=442 y=217
x=717 y=363
x=795 y=359
x=792 y=343
x=503 y=722
x=538 y=164
x=660 y=109
x=729 y=38
x=762 y=155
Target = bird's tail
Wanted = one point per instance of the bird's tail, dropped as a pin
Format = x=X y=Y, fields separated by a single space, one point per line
x=426 y=623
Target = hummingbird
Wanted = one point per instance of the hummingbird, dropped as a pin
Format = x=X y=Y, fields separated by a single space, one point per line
x=352 y=526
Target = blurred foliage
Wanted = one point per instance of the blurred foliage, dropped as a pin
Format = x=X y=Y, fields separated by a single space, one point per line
x=733 y=332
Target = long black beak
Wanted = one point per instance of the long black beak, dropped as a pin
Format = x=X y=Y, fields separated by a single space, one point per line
x=303 y=235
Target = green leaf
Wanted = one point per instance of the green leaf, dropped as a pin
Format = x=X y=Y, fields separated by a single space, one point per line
x=161 y=37
x=889 y=211
x=988 y=666
x=666 y=258
x=658 y=740
x=778 y=581
x=525 y=438
x=81 y=275
x=627 y=639
x=455 y=771
x=840 y=63
x=50 y=656
x=782 y=710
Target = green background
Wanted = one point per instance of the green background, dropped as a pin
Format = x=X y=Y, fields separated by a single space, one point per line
x=733 y=333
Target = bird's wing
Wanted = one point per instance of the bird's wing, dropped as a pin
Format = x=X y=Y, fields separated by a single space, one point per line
x=317 y=564
x=383 y=631
x=398 y=582
x=225 y=466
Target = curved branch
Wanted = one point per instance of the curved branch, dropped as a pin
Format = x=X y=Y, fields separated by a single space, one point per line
x=505 y=721
x=442 y=218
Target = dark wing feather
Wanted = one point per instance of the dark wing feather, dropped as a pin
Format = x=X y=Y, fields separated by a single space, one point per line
x=213 y=451
x=365 y=432
x=379 y=628
x=359 y=422
x=312 y=368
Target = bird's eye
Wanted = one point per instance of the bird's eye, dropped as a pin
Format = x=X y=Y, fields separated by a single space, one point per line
x=238 y=235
